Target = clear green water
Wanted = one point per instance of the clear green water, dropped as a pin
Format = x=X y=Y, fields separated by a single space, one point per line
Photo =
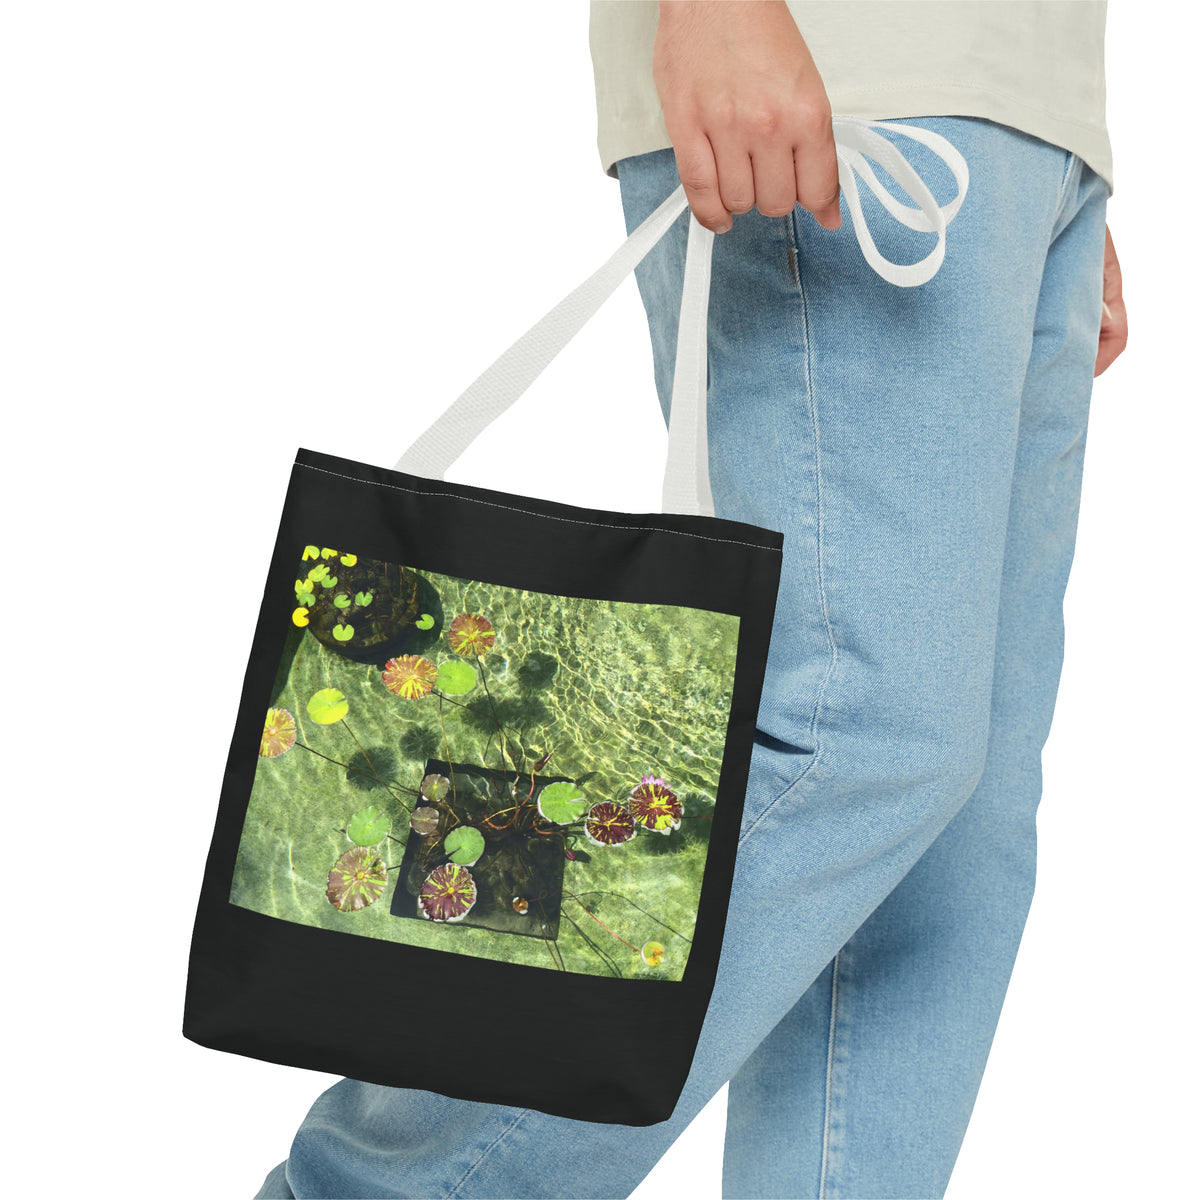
x=615 y=691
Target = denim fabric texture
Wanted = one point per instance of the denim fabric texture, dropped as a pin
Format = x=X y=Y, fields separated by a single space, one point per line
x=921 y=450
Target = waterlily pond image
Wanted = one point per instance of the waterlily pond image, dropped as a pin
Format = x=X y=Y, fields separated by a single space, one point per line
x=487 y=771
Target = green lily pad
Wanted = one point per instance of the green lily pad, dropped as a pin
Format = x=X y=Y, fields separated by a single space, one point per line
x=455 y=677
x=368 y=826
x=561 y=803
x=343 y=633
x=341 y=600
x=328 y=706
x=362 y=599
x=329 y=581
x=464 y=845
x=425 y=621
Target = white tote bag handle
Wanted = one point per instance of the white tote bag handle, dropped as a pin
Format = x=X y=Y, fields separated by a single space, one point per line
x=686 y=486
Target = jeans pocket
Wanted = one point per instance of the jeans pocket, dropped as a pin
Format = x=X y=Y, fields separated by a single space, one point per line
x=775 y=769
x=1071 y=170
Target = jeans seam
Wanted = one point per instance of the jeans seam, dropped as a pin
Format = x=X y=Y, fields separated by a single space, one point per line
x=487 y=1150
x=833 y=1014
x=806 y=324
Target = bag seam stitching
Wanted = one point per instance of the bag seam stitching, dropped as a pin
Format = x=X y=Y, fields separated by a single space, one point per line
x=545 y=516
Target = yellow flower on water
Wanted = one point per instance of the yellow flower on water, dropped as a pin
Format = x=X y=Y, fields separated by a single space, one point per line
x=300 y=617
x=653 y=953
x=310 y=552
x=348 y=560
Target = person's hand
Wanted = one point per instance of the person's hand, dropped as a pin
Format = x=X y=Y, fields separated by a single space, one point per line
x=745 y=110
x=1114 y=328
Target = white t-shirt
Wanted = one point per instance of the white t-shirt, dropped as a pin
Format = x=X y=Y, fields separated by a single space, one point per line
x=1034 y=65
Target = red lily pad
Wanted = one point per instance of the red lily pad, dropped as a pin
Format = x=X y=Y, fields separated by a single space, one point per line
x=279 y=733
x=471 y=634
x=357 y=880
x=410 y=676
x=609 y=823
x=655 y=806
x=448 y=893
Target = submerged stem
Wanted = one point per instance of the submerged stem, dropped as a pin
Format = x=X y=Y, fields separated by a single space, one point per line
x=507 y=753
x=598 y=921
x=601 y=892
x=446 y=743
x=378 y=778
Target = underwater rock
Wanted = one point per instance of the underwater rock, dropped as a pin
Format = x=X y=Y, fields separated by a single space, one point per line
x=358 y=607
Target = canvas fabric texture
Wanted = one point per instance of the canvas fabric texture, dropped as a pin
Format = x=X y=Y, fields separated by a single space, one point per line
x=1034 y=65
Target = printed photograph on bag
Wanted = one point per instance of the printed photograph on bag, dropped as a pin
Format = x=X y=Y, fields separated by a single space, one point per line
x=489 y=771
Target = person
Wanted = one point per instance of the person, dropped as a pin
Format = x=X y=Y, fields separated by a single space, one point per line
x=921 y=449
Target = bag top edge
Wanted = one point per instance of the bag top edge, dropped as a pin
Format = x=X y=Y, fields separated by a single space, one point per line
x=694 y=525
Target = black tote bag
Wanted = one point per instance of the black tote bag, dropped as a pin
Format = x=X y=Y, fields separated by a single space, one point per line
x=480 y=813
x=479 y=817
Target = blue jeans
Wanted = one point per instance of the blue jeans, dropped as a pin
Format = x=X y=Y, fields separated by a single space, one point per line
x=921 y=450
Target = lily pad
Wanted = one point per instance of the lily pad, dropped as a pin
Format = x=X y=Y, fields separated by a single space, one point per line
x=447 y=894
x=279 y=733
x=343 y=633
x=425 y=621
x=357 y=880
x=655 y=806
x=435 y=787
x=368 y=827
x=653 y=953
x=424 y=821
x=609 y=824
x=464 y=845
x=328 y=706
x=471 y=634
x=456 y=678
x=561 y=803
x=410 y=676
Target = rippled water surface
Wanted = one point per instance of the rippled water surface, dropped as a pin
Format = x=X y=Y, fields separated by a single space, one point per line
x=614 y=691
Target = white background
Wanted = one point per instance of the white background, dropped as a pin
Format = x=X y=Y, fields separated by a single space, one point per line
x=235 y=228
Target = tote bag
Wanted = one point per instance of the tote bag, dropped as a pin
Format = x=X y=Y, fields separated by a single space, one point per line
x=479 y=818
